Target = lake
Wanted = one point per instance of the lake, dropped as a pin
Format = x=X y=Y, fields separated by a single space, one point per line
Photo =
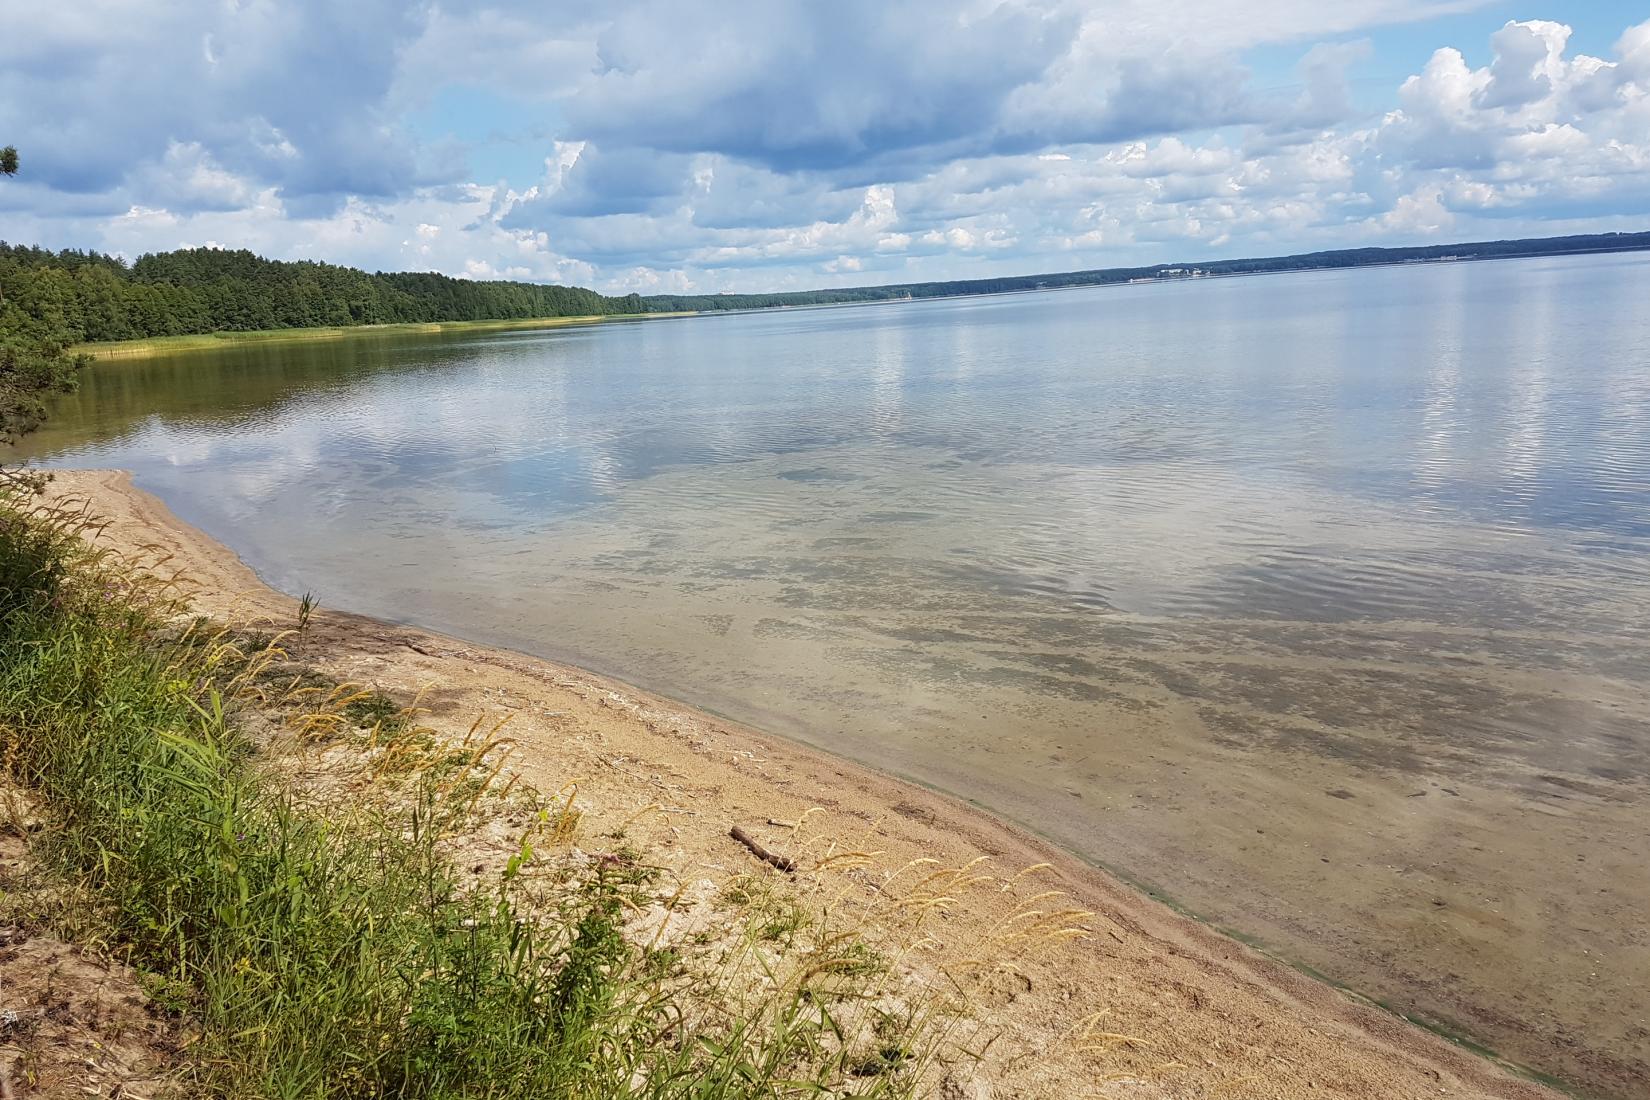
x=1318 y=603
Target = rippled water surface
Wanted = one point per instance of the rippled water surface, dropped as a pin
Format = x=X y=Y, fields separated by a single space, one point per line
x=1320 y=603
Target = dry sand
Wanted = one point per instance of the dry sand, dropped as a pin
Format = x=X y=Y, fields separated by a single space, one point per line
x=72 y=1023
x=1223 y=1019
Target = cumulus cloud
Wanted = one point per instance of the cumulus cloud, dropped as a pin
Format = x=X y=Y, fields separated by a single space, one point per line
x=1535 y=129
x=1529 y=61
x=692 y=144
x=797 y=86
x=287 y=95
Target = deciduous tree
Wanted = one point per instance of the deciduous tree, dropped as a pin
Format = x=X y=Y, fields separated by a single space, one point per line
x=34 y=360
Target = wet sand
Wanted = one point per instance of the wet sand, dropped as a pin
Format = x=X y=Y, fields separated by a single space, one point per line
x=1220 y=1018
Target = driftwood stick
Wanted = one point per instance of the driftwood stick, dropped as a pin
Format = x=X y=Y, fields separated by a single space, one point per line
x=761 y=853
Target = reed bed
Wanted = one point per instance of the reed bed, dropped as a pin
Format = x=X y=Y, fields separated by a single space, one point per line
x=156 y=346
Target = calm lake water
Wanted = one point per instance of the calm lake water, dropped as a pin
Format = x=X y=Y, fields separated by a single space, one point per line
x=1318 y=603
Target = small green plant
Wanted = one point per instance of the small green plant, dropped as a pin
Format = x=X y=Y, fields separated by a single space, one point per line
x=374 y=709
x=306 y=608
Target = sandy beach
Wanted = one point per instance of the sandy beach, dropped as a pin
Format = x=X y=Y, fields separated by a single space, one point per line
x=1214 y=1017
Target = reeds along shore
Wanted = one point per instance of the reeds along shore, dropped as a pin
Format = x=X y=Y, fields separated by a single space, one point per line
x=287 y=864
x=157 y=346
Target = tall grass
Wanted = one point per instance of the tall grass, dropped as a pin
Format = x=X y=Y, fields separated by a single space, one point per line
x=338 y=953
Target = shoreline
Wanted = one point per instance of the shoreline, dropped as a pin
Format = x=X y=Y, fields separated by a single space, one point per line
x=1234 y=1020
x=158 y=346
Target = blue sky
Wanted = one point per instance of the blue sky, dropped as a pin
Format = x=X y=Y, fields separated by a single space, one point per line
x=711 y=145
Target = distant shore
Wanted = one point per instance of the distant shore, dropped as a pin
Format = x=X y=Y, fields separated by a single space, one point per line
x=1213 y=1017
x=1161 y=275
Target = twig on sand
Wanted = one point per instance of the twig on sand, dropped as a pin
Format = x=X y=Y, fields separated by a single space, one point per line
x=774 y=858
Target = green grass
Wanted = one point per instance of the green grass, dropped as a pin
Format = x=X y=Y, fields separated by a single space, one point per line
x=152 y=347
x=339 y=954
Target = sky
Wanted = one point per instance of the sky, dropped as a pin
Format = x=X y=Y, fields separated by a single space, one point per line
x=743 y=145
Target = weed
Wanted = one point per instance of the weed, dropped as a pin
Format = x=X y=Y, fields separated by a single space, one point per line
x=563 y=825
x=374 y=709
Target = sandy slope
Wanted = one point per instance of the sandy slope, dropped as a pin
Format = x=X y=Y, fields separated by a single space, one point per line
x=1221 y=1020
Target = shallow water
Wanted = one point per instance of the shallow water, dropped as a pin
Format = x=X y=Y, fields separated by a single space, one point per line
x=1320 y=603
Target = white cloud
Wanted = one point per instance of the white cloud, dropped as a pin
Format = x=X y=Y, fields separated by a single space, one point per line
x=1421 y=214
x=1529 y=64
x=1534 y=129
x=868 y=141
x=289 y=95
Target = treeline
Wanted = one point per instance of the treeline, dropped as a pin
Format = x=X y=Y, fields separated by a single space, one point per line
x=90 y=296
x=75 y=296
x=1476 y=250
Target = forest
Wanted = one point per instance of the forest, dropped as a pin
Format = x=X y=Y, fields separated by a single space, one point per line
x=90 y=296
